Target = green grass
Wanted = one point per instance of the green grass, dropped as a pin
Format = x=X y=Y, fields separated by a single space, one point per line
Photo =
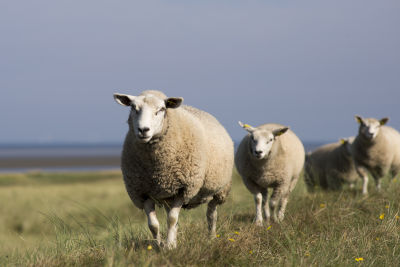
x=87 y=219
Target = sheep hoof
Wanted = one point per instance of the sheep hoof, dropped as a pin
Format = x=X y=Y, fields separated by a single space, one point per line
x=258 y=223
x=170 y=245
x=212 y=236
x=277 y=219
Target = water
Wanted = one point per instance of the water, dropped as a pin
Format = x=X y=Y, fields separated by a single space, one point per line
x=59 y=150
x=59 y=169
x=67 y=158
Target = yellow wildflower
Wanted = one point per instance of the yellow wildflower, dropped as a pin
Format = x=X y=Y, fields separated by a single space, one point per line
x=236 y=233
x=231 y=239
x=377 y=239
x=269 y=227
x=397 y=217
x=382 y=216
x=250 y=252
x=322 y=205
x=359 y=259
x=149 y=247
x=218 y=235
x=387 y=206
x=307 y=254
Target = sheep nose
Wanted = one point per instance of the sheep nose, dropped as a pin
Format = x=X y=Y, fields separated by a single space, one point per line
x=144 y=130
x=258 y=152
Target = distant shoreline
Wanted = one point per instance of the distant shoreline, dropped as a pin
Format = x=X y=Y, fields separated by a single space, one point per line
x=69 y=157
x=59 y=162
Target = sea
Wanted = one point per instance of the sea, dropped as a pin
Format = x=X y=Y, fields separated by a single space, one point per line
x=16 y=158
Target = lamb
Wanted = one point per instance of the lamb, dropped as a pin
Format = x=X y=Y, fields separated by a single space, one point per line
x=174 y=156
x=330 y=166
x=376 y=149
x=270 y=156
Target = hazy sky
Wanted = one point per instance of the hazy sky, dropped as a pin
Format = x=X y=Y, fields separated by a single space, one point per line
x=311 y=65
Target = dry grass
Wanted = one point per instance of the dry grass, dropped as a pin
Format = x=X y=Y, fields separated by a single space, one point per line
x=88 y=220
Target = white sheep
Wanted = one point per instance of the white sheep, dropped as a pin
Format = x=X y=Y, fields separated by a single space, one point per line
x=176 y=156
x=376 y=149
x=330 y=166
x=270 y=156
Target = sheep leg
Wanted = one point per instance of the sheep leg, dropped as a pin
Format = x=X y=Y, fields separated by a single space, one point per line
x=258 y=200
x=365 y=185
x=278 y=202
x=154 y=225
x=294 y=182
x=285 y=191
x=273 y=203
x=282 y=207
x=309 y=180
x=212 y=218
x=362 y=172
x=377 y=183
x=172 y=219
x=265 y=205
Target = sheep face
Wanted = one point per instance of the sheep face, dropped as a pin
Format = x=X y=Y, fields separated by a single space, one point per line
x=261 y=140
x=369 y=127
x=261 y=143
x=147 y=114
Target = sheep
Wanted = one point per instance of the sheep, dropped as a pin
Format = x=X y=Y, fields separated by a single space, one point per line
x=330 y=166
x=270 y=156
x=376 y=149
x=175 y=156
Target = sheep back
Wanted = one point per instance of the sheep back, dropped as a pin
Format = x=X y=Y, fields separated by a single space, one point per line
x=329 y=166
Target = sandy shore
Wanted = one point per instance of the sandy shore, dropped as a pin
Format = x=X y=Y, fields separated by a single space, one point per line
x=59 y=162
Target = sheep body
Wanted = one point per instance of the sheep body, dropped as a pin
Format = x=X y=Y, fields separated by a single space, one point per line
x=279 y=170
x=330 y=166
x=379 y=155
x=191 y=160
x=194 y=156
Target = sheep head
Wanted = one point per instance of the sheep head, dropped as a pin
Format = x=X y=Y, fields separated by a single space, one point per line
x=369 y=127
x=346 y=143
x=148 y=112
x=261 y=140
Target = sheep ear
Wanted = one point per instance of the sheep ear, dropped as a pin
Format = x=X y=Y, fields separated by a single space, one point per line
x=124 y=100
x=383 y=121
x=358 y=119
x=173 y=102
x=343 y=141
x=246 y=127
x=280 y=131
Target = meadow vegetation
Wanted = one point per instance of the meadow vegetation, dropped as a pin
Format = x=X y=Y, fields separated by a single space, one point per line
x=87 y=219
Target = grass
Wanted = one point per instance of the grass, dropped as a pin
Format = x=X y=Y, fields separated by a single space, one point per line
x=87 y=219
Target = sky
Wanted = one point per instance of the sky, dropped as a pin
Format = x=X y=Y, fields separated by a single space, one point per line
x=311 y=64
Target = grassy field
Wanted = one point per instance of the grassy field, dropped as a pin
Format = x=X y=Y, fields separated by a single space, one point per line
x=87 y=219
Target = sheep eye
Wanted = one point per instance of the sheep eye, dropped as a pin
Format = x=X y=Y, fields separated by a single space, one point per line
x=160 y=110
